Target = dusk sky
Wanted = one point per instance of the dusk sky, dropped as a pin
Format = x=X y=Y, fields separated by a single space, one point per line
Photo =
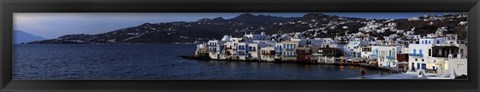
x=53 y=25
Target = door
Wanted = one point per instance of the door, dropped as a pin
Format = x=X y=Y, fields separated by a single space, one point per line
x=413 y=66
x=424 y=66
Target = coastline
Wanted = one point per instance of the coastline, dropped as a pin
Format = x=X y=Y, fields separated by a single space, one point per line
x=371 y=67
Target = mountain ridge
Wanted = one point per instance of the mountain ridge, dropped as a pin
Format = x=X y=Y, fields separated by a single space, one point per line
x=24 y=37
x=310 y=25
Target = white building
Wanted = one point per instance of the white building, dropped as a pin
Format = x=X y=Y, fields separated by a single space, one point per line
x=215 y=49
x=242 y=51
x=201 y=49
x=453 y=68
x=253 y=37
x=288 y=50
x=387 y=55
x=278 y=50
x=352 y=48
x=323 y=42
x=267 y=54
x=253 y=50
x=421 y=54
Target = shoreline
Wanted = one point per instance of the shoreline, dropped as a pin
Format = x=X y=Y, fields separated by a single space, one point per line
x=371 y=67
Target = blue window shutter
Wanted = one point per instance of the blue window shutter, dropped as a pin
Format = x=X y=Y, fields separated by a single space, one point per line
x=418 y=65
x=420 y=52
x=424 y=66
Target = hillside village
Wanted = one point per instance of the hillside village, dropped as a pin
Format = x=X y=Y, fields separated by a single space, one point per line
x=429 y=44
x=439 y=52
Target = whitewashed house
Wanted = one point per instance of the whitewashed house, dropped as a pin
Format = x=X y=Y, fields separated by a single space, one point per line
x=242 y=51
x=288 y=50
x=267 y=54
x=387 y=55
x=421 y=54
x=215 y=49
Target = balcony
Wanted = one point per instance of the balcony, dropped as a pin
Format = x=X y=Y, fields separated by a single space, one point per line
x=416 y=55
x=212 y=50
x=390 y=57
x=211 y=45
x=290 y=49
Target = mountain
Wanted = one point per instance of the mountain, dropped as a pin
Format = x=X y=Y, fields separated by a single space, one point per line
x=24 y=37
x=310 y=25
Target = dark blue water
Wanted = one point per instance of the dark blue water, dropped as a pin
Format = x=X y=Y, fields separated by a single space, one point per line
x=154 y=62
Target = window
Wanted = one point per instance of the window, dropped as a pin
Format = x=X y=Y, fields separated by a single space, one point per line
x=438 y=42
x=418 y=65
x=440 y=51
x=416 y=59
x=414 y=51
x=424 y=66
x=423 y=60
x=429 y=52
x=389 y=52
x=420 y=52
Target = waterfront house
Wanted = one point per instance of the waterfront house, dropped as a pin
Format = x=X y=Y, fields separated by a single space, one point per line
x=351 y=50
x=202 y=50
x=267 y=54
x=303 y=54
x=453 y=68
x=325 y=55
x=450 y=58
x=242 y=51
x=288 y=50
x=231 y=50
x=324 y=42
x=366 y=51
x=402 y=61
x=387 y=55
x=215 y=49
x=417 y=58
x=443 y=54
x=253 y=50
x=231 y=47
x=278 y=51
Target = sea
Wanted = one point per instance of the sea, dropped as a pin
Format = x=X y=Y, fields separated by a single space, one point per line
x=155 y=62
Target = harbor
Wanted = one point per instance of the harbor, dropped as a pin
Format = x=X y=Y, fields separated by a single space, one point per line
x=253 y=46
x=444 y=58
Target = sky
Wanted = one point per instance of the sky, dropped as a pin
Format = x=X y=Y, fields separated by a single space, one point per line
x=53 y=25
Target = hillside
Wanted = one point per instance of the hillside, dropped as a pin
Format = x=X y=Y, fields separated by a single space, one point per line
x=310 y=25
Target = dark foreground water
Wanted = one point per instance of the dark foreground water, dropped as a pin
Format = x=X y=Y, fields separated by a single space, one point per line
x=154 y=62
